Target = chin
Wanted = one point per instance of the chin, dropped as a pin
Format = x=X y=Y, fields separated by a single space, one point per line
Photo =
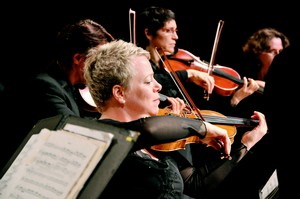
x=154 y=113
x=169 y=52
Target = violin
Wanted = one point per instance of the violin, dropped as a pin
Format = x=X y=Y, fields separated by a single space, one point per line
x=228 y=123
x=227 y=80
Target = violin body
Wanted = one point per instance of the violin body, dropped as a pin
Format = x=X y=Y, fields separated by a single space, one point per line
x=181 y=143
x=226 y=79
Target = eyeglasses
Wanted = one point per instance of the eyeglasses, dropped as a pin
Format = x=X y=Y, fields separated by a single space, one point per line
x=170 y=30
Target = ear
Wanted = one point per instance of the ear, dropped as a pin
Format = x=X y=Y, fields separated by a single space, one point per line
x=118 y=93
x=148 y=34
x=77 y=58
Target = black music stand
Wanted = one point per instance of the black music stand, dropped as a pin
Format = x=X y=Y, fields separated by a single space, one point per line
x=121 y=145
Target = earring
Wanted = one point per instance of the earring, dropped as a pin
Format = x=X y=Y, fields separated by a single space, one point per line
x=123 y=101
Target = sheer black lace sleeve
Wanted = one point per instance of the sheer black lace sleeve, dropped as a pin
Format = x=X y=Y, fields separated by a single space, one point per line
x=202 y=181
x=161 y=129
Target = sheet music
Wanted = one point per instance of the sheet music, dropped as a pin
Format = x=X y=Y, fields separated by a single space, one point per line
x=92 y=133
x=53 y=164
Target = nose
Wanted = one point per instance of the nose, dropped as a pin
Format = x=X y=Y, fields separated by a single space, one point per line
x=157 y=86
x=277 y=52
x=175 y=35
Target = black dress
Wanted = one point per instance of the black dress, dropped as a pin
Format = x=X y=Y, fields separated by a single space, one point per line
x=171 y=175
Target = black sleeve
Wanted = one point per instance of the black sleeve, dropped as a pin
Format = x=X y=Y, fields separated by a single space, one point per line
x=161 y=129
x=200 y=181
x=182 y=75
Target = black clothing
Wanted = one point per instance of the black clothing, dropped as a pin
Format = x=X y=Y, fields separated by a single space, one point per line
x=47 y=94
x=169 y=87
x=281 y=99
x=140 y=176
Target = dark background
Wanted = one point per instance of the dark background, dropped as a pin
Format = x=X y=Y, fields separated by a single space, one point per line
x=29 y=29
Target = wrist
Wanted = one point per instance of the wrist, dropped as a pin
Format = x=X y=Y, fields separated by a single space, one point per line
x=243 y=146
x=243 y=150
x=189 y=73
x=203 y=135
x=234 y=102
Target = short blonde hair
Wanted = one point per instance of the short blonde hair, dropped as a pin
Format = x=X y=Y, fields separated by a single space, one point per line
x=109 y=65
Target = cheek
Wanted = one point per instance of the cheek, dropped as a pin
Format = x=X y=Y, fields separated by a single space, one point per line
x=160 y=40
x=137 y=96
x=270 y=58
x=141 y=96
x=267 y=58
x=138 y=102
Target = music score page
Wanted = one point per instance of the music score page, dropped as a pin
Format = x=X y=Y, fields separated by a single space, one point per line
x=55 y=164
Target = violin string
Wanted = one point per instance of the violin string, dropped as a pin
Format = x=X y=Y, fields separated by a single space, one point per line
x=218 y=119
x=229 y=120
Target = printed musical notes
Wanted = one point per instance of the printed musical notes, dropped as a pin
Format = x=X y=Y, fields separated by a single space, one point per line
x=55 y=164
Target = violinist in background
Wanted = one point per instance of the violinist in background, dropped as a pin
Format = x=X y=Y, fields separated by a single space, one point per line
x=122 y=84
x=158 y=30
x=258 y=53
x=55 y=90
x=257 y=56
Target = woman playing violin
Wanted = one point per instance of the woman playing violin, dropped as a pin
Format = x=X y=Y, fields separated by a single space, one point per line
x=122 y=84
x=158 y=29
